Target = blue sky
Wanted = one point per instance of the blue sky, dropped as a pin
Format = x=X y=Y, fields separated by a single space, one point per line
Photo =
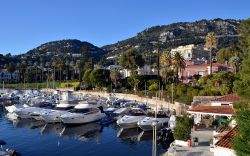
x=25 y=24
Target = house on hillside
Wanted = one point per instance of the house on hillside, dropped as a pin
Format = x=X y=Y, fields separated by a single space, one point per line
x=192 y=52
x=9 y=77
x=226 y=100
x=203 y=114
x=145 y=70
x=193 y=70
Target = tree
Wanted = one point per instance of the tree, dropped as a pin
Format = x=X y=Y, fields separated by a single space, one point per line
x=210 y=45
x=11 y=68
x=166 y=65
x=242 y=86
x=100 y=78
x=86 y=77
x=183 y=127
x=131 y=60
x=179 y=64
x=114 y=76
x=235 y=63
x=224 y=54
x=242 y=137
x=84 y=61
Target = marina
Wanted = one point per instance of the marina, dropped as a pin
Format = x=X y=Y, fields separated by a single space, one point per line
x=30 y=134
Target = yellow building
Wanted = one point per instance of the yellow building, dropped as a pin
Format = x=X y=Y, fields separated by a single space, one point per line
x=192 y=52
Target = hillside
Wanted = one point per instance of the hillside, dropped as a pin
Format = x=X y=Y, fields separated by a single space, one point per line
x=64 y=47
x=177 y=34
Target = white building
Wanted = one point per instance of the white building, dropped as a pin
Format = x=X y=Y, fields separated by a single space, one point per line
x=145 y=70
x=8 y=77
x=191 y=52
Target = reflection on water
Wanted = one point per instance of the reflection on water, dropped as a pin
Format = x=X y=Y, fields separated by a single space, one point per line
x=32 y=137
x=84 y=132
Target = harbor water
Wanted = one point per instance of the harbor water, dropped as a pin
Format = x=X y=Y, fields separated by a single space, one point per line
x=33 y=138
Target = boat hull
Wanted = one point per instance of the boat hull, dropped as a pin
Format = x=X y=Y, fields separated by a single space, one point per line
x=81 y=118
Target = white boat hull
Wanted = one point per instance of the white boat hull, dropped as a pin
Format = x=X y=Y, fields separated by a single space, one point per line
x=53 y=117
x=78 y=118
x=129 y=121
x=146 y=123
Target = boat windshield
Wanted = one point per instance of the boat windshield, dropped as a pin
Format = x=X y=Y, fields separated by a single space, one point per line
x=85 y=110
x=64 y=108
x=160 y=114
x=136 y=112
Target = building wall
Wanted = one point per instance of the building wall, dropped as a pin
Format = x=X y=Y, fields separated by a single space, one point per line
x=191 y=52
x=219 y=151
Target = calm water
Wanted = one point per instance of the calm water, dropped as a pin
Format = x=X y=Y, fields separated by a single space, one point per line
x=32 y=138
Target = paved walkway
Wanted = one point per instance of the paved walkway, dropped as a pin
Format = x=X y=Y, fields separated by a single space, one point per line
x=203 y=149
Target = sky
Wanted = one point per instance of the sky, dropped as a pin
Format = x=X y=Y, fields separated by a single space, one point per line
x=26 y=24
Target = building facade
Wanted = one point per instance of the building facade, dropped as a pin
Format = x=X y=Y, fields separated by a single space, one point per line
x=8 y=77
x=192 y=52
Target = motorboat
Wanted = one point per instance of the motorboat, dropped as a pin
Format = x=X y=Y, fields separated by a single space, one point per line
x=13 y=108
x=160 y=121
x=52 y=116
x=27 y=111
x=172 y=122
x=132 y=118
x=84 y=113
x=119 y=113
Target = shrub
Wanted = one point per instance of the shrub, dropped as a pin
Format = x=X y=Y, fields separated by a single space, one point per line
x=153 y=87
x=183 y=127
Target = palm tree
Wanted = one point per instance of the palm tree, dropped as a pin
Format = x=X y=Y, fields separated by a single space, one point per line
x=210 y=45
x=235 y=63
x=165 y=63
x=72 y=66
x=41 y=66
x=36 y=65
x=78 y=66
x=178 y=63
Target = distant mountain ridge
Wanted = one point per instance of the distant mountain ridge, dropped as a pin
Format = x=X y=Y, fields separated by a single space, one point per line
x=72 y=46
x=177 y=34
x=170 y=36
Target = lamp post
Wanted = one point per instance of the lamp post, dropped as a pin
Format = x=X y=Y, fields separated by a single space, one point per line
x=158 y=61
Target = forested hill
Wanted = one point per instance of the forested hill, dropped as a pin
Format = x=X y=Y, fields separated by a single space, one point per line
x=67 y=46
x=177 y=34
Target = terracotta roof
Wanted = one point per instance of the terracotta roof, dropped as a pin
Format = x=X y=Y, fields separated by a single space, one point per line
x=229 y=98
x=214 y=65
x=221 y=129
x=220 y=135
x=226 y=140
x=213 y=109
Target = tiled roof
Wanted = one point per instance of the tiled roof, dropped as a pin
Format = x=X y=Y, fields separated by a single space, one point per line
x=213 y=109
x=226 y=140
x=229 y=98
x=214 y=65
x=221 y=129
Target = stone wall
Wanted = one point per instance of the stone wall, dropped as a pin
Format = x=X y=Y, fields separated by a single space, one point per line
x=179 y=107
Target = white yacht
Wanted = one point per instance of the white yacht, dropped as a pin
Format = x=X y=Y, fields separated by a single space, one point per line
x=52 y=116
x=27 y=111
x=161 y=120
x=13 y=108
x=83 y=113
x=130 y=120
